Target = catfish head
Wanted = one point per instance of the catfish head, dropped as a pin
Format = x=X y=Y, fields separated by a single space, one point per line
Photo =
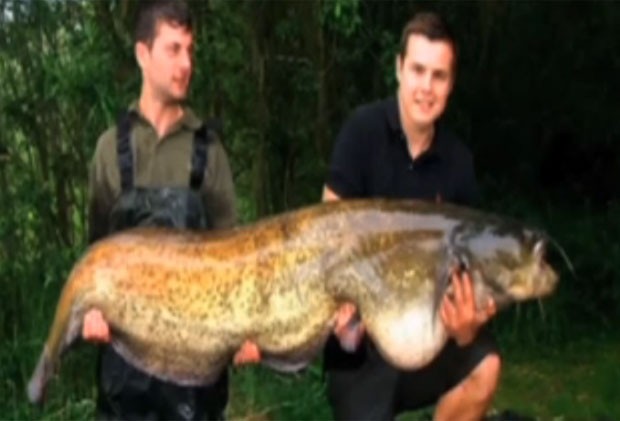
x=506 y=261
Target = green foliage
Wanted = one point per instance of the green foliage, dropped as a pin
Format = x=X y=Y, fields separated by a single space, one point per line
x=341 y=16
x=535 y=99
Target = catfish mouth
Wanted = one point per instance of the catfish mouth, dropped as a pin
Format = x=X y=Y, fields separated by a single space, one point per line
x=526 y=292
x=533 y=278
x=539 y=278
x=540 y=282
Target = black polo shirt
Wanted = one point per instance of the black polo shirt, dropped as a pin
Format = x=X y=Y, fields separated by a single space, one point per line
x=371 y=159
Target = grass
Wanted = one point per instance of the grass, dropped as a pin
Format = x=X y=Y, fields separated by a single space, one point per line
x=577 y=381
x=566 y=379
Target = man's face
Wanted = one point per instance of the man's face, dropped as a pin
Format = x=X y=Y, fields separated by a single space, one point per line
x=167 y=65
x=426 y=77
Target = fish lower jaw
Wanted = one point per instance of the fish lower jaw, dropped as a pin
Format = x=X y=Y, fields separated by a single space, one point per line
x=524 y=294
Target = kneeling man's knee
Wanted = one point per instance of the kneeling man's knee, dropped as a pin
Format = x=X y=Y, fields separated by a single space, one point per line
x=485 y=377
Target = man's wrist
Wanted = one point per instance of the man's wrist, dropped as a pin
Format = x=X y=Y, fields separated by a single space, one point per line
x=465 y=339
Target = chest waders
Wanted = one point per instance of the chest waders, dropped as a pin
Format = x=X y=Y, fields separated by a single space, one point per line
x=123 y=391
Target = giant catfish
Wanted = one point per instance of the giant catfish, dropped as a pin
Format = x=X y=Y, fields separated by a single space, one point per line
x=181 y=303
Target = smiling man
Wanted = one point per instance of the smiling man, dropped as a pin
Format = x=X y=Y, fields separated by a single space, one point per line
x=396 y=148
x=159 y=166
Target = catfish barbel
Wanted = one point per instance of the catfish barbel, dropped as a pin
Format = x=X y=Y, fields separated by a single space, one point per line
x=181 y=303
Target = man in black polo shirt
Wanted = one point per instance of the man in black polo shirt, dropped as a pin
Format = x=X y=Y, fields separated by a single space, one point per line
x=395 y=148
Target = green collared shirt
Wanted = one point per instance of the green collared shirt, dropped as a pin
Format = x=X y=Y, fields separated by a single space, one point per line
x=164 y=162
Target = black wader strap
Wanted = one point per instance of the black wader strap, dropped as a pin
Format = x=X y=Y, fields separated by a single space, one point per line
x=199 y=158
x=123 y=150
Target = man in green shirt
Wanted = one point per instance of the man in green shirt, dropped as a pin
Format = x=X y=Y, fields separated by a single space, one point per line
x=161 y=161
x=158 y=166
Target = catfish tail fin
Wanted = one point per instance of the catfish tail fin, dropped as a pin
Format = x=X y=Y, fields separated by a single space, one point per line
x=64 y=331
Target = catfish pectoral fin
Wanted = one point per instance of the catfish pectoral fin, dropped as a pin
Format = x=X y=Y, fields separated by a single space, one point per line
x=455 y=261
x=284 y=365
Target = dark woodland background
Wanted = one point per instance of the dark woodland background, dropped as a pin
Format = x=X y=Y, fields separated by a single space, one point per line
x=535 y=100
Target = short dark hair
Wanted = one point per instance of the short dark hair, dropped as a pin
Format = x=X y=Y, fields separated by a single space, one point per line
x=153 y=12
x=432 y=26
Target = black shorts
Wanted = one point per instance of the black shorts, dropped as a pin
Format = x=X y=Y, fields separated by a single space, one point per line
x=365 y=387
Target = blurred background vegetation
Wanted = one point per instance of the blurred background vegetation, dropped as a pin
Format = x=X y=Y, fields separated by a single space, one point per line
x=536 y=99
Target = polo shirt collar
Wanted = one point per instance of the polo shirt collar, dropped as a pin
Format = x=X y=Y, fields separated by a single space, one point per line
x=437 y=146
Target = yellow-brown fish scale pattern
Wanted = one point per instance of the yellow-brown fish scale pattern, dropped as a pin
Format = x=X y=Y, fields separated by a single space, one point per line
x=181 y=303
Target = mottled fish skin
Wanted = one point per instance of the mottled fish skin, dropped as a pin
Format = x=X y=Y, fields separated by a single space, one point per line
x=181 y=303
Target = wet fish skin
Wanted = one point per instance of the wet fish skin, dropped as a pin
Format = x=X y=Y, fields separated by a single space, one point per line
x=181 y=303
